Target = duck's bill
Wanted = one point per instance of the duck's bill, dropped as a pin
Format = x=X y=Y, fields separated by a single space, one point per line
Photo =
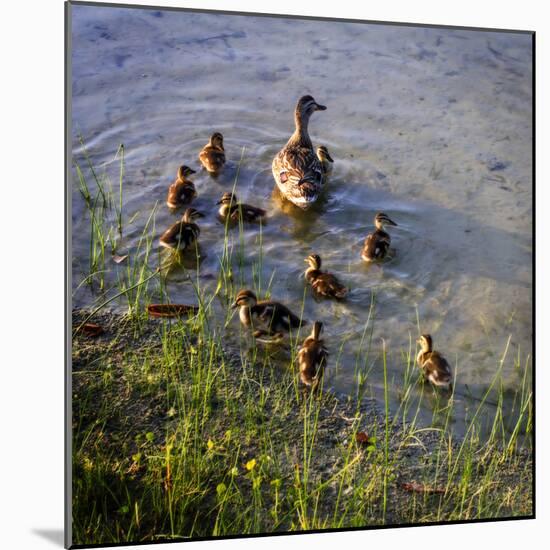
x=234 y=306
x=389 y=222
x=320 y=107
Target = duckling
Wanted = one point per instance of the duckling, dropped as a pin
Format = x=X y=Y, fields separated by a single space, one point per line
x=212 y=155
x=234 y=209
x=312 y=357
x=325 y=159
x=273 y=318
x=377 y=244
x=323 y=283
x=435 y=367
x=182 y=234
x=296 y=168
x=182 y=191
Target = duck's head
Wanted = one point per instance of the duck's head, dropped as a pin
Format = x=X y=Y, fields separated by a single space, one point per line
x=323 y=154
x=191 y=214
x=316 y=330
x=245 y=298
x=306 y=106
x=216 y=140
x=314 y=261
x=425 y=342
x=228 y=198
x=381 y=219
x=185 y=171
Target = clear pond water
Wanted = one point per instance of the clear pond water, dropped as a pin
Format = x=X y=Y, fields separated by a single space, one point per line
x=432 y=126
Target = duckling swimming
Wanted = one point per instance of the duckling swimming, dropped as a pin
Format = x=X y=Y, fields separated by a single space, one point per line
x=182 y=234
x=323 y=283
x=212 y=155
x=312 y=357
x=296 y=168
x=325 y=159
x=182 y=191
x=230 y=207
x=272 y=317
x=377 y=244
x=435 y=367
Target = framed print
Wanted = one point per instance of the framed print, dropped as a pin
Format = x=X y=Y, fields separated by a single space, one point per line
x=300 y=274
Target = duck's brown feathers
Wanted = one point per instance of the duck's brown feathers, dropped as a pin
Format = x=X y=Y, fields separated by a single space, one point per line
x=249 y=213
x=377 y=246
x=212 y=158
x=181 y=192
x=326 y=284
x=435 y=367
x=312 y=358
x=181 y=235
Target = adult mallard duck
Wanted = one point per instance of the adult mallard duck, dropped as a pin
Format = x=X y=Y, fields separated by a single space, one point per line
x=230 y=207
x=296 y=168
x=271 y=317
x=212 y=155
x=323 y=283
x=377 y=244
x=312 y=357
x=325 y=159
x=182 y=191
x=435 y=367
x=183 y=234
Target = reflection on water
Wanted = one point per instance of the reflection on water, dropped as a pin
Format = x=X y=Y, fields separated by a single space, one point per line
x=431 y=126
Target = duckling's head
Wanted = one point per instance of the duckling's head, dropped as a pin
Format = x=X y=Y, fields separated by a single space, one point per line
x=245 y=298
x=316 y=330
x=216 y=140
x=425 y=342
x=314 y=261
x=323 y=154
x=191 y=214
x=228 y=198
x=381 y=219
x=185 y=171
x=306 y=106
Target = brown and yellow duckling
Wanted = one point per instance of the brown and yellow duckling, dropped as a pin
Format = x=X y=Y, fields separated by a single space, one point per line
x=296 y=168
x=183 y=234
x=323 y=283
x=435 y=367
x=325 y=159
x=312 y=357
x=377 y=244
x=266 y=317
x=212 y=155
x=182 y=191
x=230 y=207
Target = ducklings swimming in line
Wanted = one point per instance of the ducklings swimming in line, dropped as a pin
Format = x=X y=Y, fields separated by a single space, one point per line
x=212 y=155
x=183 y=234
x=230 y=207
x=377 y=244
x=325 y=159
x=312 y=357
x=296 y=168
x=182 y=191
x=271 y=317
x=435 y=367
x=323 y=283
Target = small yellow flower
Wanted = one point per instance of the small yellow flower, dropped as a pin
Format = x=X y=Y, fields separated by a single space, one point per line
x=210 y=444
x=251 y=464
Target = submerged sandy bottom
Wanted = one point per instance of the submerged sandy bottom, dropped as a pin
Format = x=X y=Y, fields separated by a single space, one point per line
x=432 y=126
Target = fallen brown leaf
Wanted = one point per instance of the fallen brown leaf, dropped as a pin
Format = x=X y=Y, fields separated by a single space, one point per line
x=92 y=329
x=414 y=487
x=119 y=259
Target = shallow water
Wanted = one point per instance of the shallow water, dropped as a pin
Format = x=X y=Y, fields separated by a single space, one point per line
x=432 y=126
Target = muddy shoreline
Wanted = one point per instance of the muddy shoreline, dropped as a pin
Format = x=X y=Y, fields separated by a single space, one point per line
x=128 y=412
